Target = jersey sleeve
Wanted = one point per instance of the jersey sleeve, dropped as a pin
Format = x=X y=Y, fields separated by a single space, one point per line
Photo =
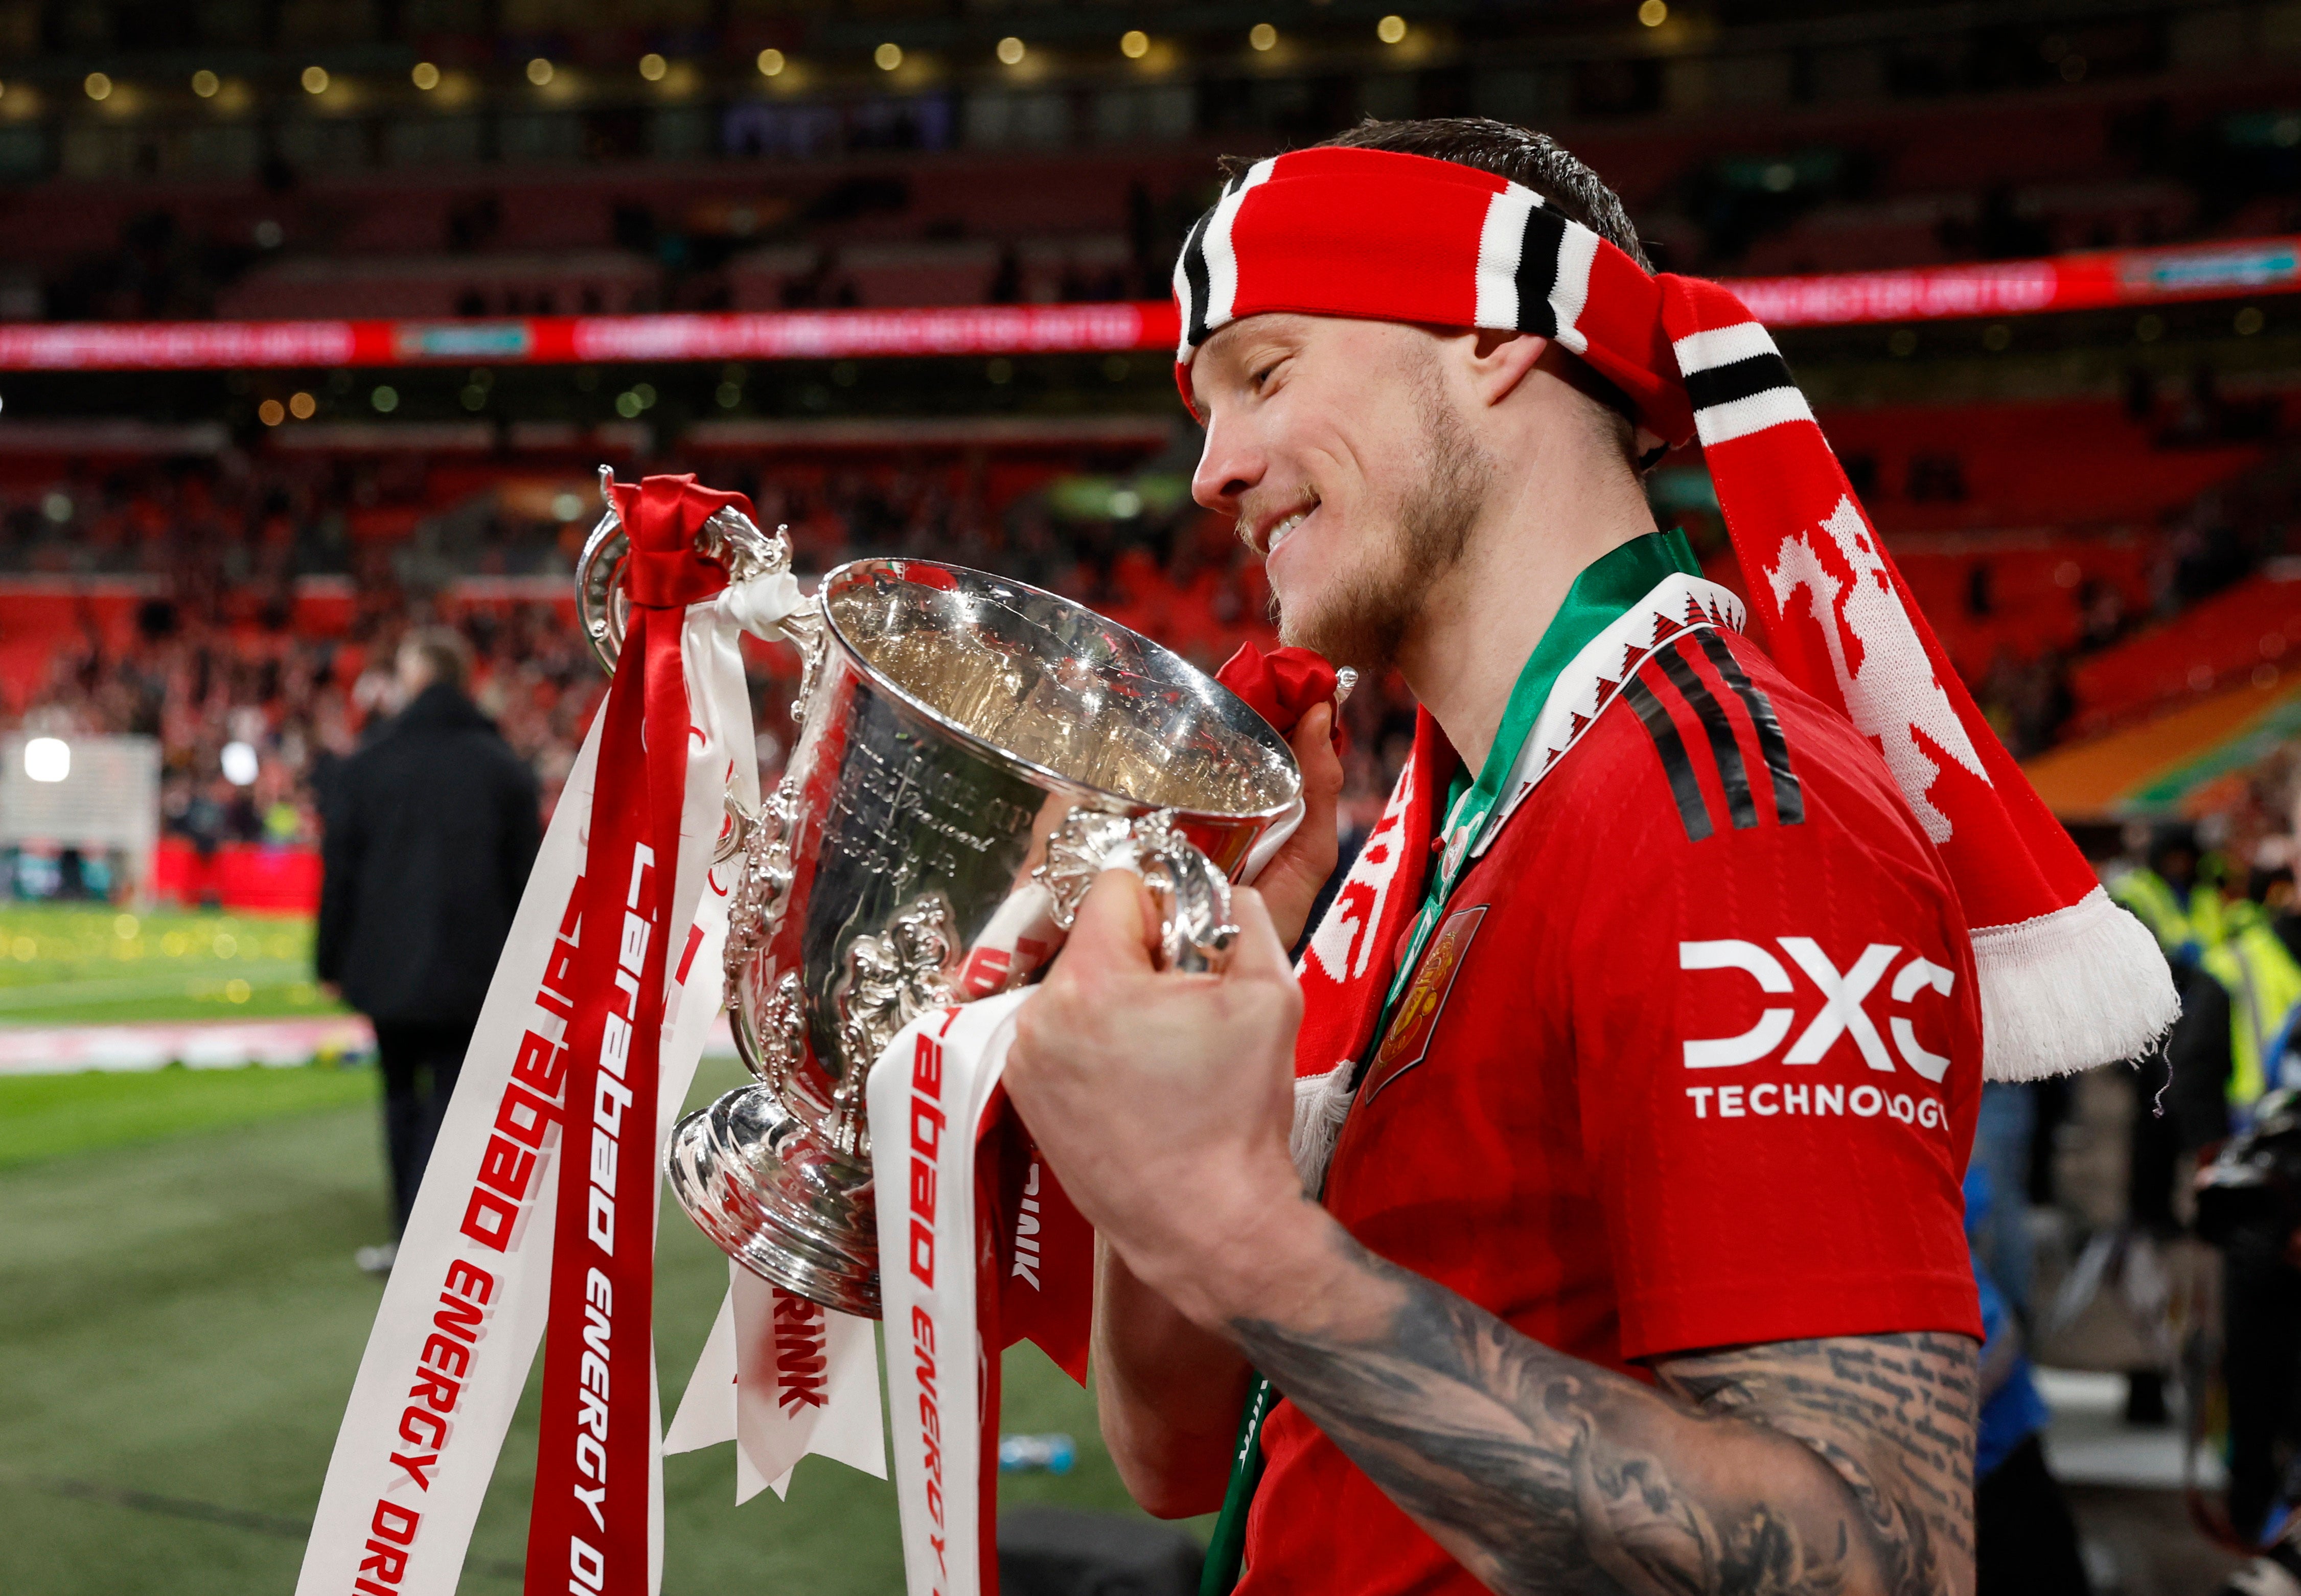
x=1775 y=1023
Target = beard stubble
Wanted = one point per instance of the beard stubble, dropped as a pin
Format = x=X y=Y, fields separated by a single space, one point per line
x=1365 y=619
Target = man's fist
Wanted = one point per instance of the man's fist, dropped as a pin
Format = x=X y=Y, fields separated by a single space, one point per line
x=1163 y=1102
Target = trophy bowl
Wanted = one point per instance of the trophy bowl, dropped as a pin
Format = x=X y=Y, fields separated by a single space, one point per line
x=970 y=750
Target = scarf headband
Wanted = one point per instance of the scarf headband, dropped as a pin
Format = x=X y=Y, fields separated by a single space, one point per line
x=2068 y=979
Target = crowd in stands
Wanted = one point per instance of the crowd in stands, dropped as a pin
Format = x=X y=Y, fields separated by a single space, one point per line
x=256 y=599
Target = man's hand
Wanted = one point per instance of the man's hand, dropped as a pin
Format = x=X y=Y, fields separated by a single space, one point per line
x=1164 y=1101
x=1290 y=882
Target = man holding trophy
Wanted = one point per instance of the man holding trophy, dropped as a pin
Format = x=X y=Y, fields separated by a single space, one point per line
x=1629 y=1084
x=1583 y=1213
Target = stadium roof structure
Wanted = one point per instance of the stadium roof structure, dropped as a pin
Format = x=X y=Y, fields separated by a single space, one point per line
x=2089 y=280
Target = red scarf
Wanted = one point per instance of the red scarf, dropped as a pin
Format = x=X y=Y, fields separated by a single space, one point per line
x=2068 y=979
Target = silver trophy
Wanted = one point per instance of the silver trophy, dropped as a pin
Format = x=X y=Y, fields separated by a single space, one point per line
x=972 y=752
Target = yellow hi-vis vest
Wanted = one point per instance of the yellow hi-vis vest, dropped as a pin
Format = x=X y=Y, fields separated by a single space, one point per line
x=2155 y=904
x=2264 y=983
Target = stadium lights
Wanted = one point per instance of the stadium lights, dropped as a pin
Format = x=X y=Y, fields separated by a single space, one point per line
x=652 y=67
x=771 y=63
x=240 y=763
x=97 y=86
x=887 y=57
x=425 y=76
x=1011 y=50
x=205 y=84
x=315 y=79
x=47 y=759
x=1262 y=36
x=303 y=406
x=272 y=413
x=538 y=71
x=1653 y=14
x=1391 y=28
x=1135 y=44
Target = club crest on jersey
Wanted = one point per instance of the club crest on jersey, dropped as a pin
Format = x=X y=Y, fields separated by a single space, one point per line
x=1406 y=1043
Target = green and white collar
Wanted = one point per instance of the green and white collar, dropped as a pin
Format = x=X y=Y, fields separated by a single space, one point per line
x=1679 y=603
x=1624 y=606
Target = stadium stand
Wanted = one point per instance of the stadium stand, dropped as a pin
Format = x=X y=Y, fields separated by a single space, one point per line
x=2087 y=522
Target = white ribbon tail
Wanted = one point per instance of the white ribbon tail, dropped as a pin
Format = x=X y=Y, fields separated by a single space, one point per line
x=706 y=1412
x=927 y=1093
x=2083 y=986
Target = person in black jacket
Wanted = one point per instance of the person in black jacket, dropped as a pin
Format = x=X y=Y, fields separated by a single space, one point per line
x=430 y=829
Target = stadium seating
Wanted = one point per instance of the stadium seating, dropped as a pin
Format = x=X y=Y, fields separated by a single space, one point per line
x=2250 y=633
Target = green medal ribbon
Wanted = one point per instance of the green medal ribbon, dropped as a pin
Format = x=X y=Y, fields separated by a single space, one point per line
x=1608 y=589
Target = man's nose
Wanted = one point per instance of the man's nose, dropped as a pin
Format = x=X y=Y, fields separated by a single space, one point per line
x=1231 y=464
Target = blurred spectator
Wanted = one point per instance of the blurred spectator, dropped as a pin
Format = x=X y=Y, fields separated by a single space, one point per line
x=2231 y=1052
x=2249 y=1205
x=430 y=834
x=2025 y=1541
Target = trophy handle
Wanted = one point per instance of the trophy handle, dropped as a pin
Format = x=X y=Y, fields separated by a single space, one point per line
x=761 y=839
x=603 y=604
x=1192 y=898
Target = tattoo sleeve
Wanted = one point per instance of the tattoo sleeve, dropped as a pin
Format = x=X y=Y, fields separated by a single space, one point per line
x=1840 y=1465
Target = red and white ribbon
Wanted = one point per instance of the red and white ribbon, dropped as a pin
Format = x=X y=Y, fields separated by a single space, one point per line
x=978 y=1249
x=539 y=1203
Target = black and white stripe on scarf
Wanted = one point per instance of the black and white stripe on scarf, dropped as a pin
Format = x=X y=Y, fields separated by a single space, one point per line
x=1206 y=277
x=1739 y=382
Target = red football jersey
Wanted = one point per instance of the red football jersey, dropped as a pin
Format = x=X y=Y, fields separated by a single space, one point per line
x=1691 y=1060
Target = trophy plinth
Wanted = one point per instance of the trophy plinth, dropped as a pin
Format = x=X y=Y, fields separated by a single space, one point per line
x=778 y=1199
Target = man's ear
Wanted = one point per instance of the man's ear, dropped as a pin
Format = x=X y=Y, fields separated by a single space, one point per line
x=1500 y=361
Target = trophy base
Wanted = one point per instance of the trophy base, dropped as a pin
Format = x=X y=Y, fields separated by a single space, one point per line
x=763 y=1186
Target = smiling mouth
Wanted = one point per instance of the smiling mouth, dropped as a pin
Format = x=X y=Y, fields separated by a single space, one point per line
x=1285 y=528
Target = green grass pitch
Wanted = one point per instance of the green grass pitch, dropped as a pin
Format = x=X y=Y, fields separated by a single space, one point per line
x=182 y=1322
x=97 y=966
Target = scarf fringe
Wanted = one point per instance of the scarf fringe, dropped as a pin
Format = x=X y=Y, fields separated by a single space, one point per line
x=2071 y=989
x=1321 y=1104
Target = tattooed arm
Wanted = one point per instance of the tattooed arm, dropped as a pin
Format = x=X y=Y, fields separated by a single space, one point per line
x=1841 y=1465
